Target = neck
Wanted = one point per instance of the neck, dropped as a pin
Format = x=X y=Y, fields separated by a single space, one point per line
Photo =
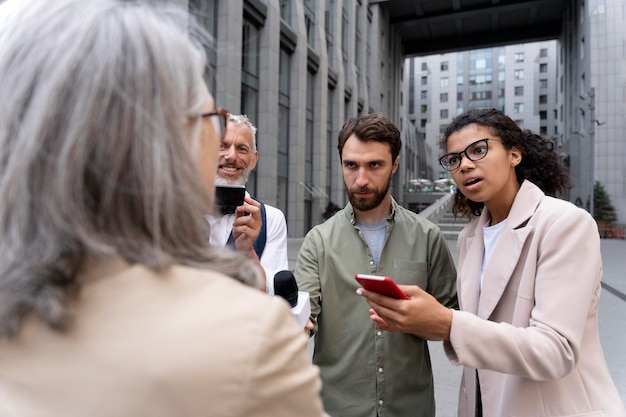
x=375 y=215
x=500 y=207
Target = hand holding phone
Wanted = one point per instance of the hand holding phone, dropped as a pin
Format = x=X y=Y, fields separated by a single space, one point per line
x=382 y=285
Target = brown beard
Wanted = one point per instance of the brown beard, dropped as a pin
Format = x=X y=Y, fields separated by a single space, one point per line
x=370 y=203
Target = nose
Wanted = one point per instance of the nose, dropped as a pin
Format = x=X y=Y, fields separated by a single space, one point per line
x=465 y=161
x=361 y=178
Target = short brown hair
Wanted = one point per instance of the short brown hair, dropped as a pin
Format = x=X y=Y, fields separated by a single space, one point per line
x=369 y=127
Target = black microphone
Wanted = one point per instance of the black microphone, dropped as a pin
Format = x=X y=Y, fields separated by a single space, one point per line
x=285 y=286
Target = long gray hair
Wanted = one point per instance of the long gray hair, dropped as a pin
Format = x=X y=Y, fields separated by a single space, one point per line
x=95 y=160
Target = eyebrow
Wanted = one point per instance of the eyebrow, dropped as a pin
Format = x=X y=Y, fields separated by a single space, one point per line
x=373 y=161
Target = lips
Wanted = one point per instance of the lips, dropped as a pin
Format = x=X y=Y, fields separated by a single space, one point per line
x=472 y=181
x=229 y=168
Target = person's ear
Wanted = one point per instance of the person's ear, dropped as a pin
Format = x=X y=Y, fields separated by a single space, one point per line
x=515 y=156
x=253 y=161
x=396 y=164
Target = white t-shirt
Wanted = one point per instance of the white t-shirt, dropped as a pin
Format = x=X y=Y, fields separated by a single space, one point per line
x=491 y=234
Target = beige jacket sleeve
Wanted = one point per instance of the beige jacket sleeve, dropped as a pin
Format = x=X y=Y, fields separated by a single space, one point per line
x=283 y=382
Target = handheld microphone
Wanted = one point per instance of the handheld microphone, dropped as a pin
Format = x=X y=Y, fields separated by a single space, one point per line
x=285 y=286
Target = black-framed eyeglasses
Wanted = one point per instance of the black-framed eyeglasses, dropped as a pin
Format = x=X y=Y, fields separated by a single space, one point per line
x=219 y=123
x=474 y=152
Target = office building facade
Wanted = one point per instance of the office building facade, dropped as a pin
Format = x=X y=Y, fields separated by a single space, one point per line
x=519 y=80
x=299 y=69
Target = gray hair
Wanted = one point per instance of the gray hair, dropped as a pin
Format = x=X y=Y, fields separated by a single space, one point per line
x=95 y=160
x=242 y=120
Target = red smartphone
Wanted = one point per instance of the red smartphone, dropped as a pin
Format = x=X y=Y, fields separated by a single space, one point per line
x=382 y=285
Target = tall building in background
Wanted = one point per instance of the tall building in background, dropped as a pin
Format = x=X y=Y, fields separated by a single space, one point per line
x=592 y=99
x=299 y=69
x=520 y=80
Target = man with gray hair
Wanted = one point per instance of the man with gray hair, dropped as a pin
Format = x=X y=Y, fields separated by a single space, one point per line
x=255 y=228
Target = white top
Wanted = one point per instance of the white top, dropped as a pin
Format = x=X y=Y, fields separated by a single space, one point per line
x=491 y=234
x=274 y=257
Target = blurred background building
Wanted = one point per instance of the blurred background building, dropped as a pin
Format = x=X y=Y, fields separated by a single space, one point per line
x=300 y=68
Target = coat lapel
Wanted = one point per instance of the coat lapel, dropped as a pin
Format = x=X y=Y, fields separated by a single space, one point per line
x=470 y=265
x=507 y=253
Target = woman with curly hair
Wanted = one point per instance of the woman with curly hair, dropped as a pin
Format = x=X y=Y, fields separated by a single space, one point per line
x=528 y=281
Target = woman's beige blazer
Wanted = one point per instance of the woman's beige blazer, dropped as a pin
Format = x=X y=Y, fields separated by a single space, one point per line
x=532 y=331
x=180 y=343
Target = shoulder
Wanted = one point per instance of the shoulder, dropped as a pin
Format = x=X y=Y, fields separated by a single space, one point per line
x=414 y=221
x=338 y=221
x=192 y=294
x=555 y=211
x=273 y=212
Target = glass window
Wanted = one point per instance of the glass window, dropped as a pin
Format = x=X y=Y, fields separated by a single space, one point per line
x=329 y=24
x=424 y=94
x=283 y=131
x=308 y=156
x=543 y=115
x=519 y=74
x=519 y=57
x=309 y=21
x=443 y=113
x=444 y=66
x=443 y=97
x=444 y=81
x=423 y=108
x=424 y=80
x=543 y=52
x=285 y=10
x=543 y=99
x=519 y=90
x=206 y=13
x=518 y=107
x=424 y=66
x=543 y=83
x=250 y=82
x=543 y=68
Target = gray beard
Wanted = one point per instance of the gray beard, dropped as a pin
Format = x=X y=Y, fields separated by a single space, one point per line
x=242 y=180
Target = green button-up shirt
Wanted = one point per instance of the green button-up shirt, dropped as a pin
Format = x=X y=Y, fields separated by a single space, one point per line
x=367 y=372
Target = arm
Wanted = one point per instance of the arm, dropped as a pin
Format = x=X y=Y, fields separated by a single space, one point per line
x=421 y=315
x=307 y=274
x=564 y=300
x=283 y=381
x=426 y=314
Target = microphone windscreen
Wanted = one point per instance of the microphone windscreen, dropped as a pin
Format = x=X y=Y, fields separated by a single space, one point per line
x=285 y=286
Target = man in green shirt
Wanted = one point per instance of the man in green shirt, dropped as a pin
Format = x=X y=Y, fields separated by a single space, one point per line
x=367 y=372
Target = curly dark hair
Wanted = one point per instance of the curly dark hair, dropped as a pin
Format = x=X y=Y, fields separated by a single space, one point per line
x=540 y=164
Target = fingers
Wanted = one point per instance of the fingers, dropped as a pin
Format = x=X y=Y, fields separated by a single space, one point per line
x=247 y=224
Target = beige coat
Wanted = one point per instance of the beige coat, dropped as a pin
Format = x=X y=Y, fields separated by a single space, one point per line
x=182 y=343
x=533 y=331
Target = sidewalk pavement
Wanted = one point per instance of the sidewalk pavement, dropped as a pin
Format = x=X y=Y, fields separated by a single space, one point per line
x=612 y=317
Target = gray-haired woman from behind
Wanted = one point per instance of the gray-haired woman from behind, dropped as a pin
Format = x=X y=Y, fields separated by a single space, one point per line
x=111 y=301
